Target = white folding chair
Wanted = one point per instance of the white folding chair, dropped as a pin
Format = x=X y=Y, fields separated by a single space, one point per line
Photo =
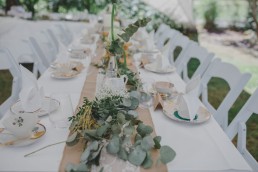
x=65 y=34
x=181 y=42
x=166 y=36
x=193 y=51
x=8 y=63
x=162 y=28
x=236 y=81
x=238 y=127
x=41 y=61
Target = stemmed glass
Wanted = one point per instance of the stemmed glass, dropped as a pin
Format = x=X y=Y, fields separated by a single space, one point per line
x=59 y=117
x=145 y=96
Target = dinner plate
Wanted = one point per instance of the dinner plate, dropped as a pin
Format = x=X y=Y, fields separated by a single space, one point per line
x=64 y=75
x=152 y=67
x=18 y=110
x=202 y=115
x=7 y=139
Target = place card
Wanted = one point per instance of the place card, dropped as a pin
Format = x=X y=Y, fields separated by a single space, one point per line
x=158 y=102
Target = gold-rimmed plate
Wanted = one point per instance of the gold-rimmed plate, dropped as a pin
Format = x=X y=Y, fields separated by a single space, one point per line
x=152 y=68
x=18 y=110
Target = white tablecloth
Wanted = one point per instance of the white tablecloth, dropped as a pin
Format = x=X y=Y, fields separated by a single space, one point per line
x=202 y=147
x=199 y=147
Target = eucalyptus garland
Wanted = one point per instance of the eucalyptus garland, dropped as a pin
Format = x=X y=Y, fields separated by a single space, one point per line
x=111 y=123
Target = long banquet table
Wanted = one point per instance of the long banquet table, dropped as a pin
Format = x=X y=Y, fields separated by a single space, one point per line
x=202 y=147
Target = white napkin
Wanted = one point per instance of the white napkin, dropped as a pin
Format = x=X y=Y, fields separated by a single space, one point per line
x=188 y=102
x=161 y=61
x=193 y=86
x=31 y=96
x=141 y=34
x=164 y=59
x=149 y=42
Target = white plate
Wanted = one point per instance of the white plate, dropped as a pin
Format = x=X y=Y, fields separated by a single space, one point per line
x=151 y=67
x=202 y=115
x=154 y=51
x=64 y=75
x=18 y=110
x=7 y=139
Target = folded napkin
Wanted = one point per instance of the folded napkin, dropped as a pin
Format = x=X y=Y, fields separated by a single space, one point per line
x=31 y=95
x=141 y=34
x=149 y=42
x=188 y=102
x=164 y=58
x=162 y=61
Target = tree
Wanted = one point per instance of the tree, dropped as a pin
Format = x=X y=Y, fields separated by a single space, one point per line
x=254 y=14
x=30 y=5
x=10 y=3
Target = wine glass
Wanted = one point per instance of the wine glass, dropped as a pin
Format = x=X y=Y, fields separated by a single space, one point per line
x=145 y=92
x=59 y=117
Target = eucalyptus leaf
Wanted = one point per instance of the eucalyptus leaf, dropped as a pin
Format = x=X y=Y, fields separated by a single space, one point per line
x=116 y=129
x=126 y=142
x=113 y=145
x=102 y=130
x=122 y=154
x=137 y=156
x=147 y=143
x=138 y=137
x=121 y=118
x=127 y=102
x=167 y=154
x=144 y=130
x=95 y=156
x=128 y=130
x=91 y=135
x=77 y=168
x=133 y=113
x=135 y=94
x=73 y=139
x=135 y=103
x=157 y=140
x=93 y=146
x=147 y=163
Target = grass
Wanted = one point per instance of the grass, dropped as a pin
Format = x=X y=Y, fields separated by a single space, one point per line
x=228 y=10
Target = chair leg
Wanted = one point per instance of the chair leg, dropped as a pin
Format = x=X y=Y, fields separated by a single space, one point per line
x=241 y=140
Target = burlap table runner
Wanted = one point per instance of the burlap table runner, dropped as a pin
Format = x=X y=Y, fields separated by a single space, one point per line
x=73 y=154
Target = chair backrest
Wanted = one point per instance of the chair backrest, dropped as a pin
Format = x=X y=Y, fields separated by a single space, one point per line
x=179 y=41
x=193 y=51
x=65 y=35
x=238 y=127
x=162 y=28
x=236 y=82
x=164 y=37
x=41 y=60
x=8 y=63
x=53 y=39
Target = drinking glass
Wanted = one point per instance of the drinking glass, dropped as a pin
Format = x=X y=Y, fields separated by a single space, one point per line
x=59 y=117
x=146 y=100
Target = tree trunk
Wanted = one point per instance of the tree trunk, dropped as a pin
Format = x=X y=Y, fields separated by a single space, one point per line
x=10 y=3
x=253 y=5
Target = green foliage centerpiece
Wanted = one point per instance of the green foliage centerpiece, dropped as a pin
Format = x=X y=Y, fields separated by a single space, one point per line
x=111 y=121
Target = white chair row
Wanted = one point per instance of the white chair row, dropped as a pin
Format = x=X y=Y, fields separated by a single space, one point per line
x=211 y=67
x=42 y=52
x=8 y=63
